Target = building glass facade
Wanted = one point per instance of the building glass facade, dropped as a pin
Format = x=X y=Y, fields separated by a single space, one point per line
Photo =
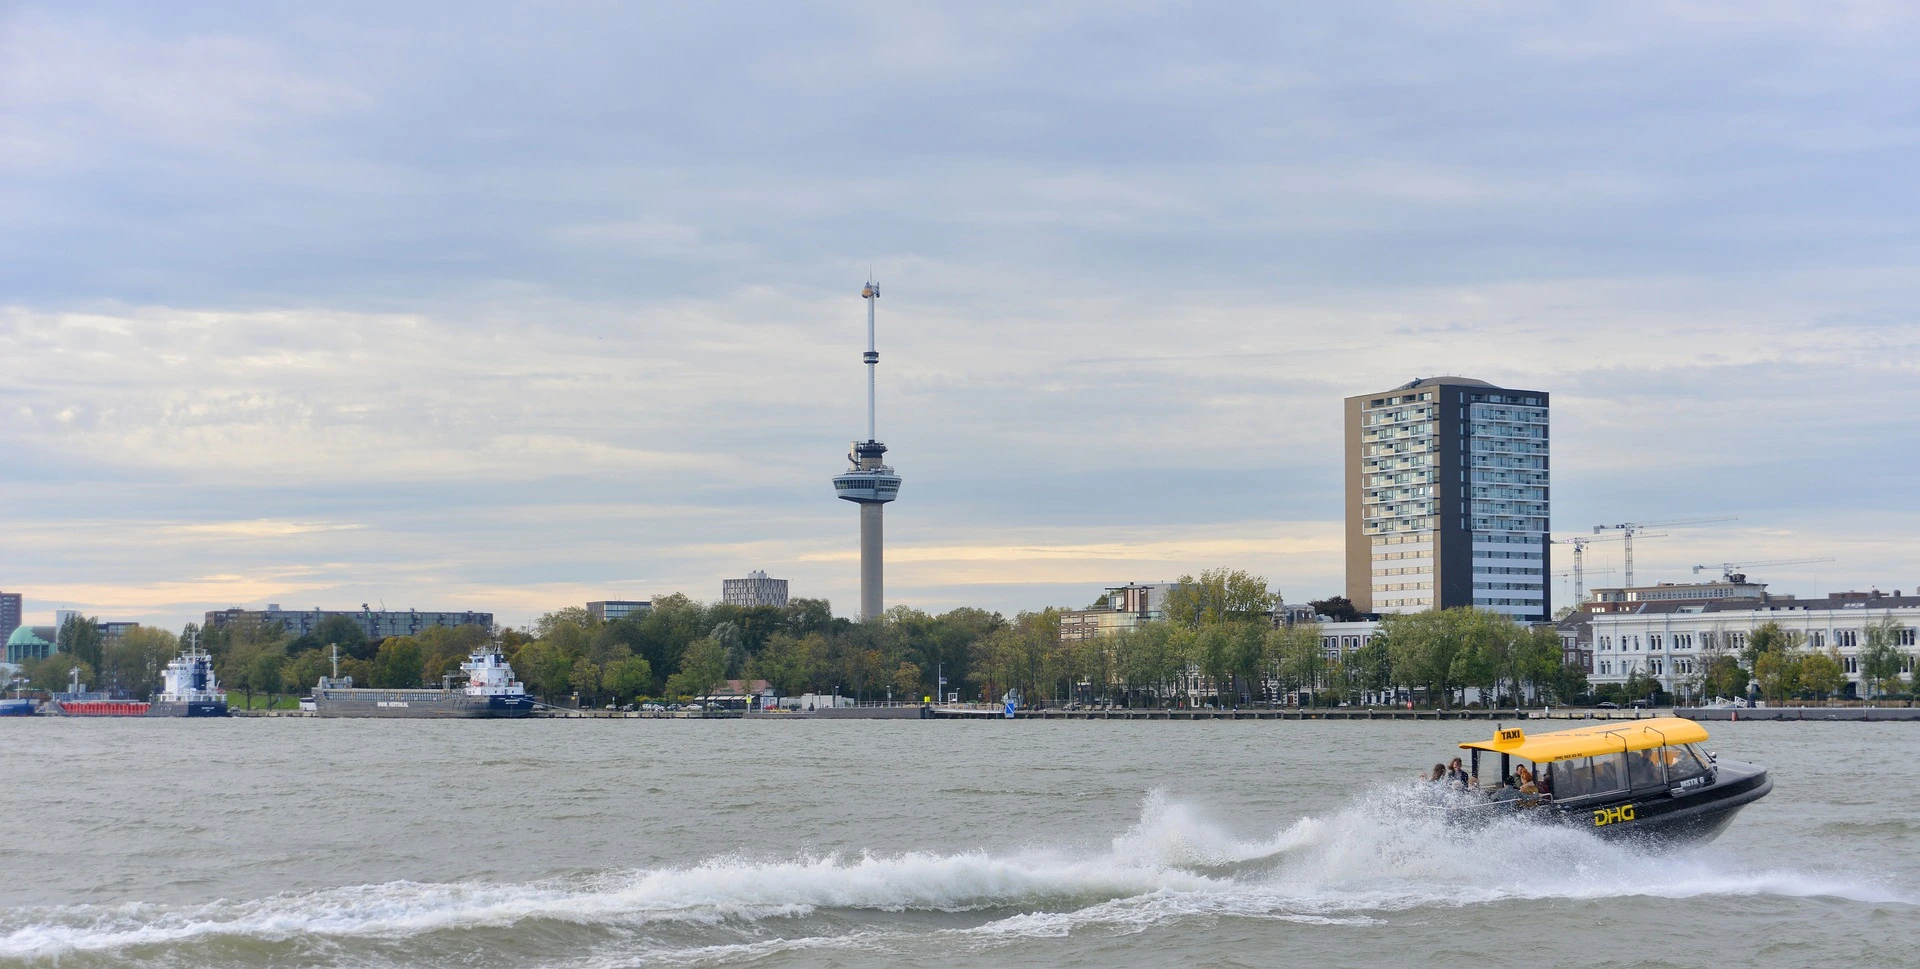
x=1447 y=498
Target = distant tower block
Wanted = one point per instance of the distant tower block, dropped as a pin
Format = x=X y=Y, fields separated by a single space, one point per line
x=870 y=484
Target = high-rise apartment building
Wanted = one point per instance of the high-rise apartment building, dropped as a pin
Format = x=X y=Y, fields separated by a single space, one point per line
x=12 y=604
x=1447 y=497
x=754 y=590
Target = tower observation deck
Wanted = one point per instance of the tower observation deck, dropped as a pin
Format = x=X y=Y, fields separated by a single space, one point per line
x=869 y=483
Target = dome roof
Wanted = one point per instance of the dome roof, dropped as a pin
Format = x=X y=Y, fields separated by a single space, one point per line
x=24 y=636
x=1450 y=381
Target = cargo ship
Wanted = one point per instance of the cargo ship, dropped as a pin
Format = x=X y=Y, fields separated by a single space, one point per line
x=490 y=691
x=189 y=689
x=79 y=701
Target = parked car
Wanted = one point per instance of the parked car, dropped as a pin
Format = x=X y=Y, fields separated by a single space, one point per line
x=653 y=706
x=1606 y=705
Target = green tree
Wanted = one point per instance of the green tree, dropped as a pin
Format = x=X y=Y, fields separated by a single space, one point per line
x=1765 y=638
x=54 y=672
x=444 y=650
x=304 y=670
x=544 y=668
x=1723 y=676
x=79 y=637
x=1146 y=658
x=789 y=663
x=263 y=674
x=139 y=657
x=1639 y=685
x=585 y=680
x=333 y=631
x=397 y=665
x=1542 y=666
x=906 y=682
x=1370 y=668
x=1777 y=670
x=1218 y=596
x=630 y=677
x=704 y=665
x=1881 y=657
x=1430 y=649
x=1335 y=608
x=1294 y=654
x=1823 y=673
x=733 y=645
x=575 y=617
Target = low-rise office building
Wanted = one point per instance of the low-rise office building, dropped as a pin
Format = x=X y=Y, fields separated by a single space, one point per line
x=754 y=590
x=374 y=625
x=614 y=610
x=1123 y=607
x=1626 y=599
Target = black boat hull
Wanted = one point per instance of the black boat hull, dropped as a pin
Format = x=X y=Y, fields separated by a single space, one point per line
x=1656 y=816
x=1691 y=816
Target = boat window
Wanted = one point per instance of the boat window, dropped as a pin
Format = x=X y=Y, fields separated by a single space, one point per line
x=1683 y=763
x=1585 y=776
x=1645 y=768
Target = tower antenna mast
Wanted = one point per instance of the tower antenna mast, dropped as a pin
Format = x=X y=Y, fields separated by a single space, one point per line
x=870 y=483
x=872 y=295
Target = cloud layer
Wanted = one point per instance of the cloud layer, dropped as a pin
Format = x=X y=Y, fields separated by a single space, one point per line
x=490 y=308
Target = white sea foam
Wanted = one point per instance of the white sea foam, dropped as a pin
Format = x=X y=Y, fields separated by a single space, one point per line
x=1380 y=856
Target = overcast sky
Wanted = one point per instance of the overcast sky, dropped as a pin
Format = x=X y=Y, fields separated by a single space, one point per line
x=470 y=306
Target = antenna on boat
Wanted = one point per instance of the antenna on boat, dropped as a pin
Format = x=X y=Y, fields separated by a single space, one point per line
x=336 y=660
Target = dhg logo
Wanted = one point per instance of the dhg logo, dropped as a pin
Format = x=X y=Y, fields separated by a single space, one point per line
x=1613 y=815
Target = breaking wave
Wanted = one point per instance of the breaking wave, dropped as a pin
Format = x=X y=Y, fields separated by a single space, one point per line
x=1380 y=856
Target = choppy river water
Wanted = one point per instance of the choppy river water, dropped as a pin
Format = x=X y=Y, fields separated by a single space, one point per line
x=896 y=843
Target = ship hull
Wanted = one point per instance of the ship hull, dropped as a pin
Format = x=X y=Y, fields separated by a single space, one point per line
x=17 y=708
x=417 y=705
x=188 y=708
x=98 y=708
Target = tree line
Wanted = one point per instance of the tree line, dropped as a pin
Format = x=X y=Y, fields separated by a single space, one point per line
x=1217 y=643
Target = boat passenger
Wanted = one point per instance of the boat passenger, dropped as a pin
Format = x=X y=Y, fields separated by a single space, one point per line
x=1456 y=773
x=1529 y=795
x=1439 y=775
x=1506 y=791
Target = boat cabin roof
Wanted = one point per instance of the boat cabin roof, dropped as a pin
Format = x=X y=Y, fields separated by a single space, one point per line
x=1593 y=741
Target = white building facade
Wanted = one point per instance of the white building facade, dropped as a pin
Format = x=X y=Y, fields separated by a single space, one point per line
x=1671 y=642
x=754 y=590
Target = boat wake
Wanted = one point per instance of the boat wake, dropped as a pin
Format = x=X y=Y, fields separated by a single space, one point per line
x=1381 y=856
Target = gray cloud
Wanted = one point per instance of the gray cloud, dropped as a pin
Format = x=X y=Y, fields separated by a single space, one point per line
x=516 y=306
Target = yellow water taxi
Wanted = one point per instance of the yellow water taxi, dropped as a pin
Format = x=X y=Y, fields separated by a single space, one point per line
x=1640 y=778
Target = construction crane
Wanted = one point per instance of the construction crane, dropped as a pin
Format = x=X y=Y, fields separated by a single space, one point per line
x=1580 y=543
x=1731 y=571
x=1627 y=530
x=1579 y=574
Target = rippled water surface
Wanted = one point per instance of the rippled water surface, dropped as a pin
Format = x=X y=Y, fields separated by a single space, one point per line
x=894 y=843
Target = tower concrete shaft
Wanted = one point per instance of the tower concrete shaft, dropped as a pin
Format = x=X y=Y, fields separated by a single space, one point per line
x=872 y=561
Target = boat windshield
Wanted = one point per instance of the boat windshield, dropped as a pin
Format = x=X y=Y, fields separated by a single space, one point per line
x=1616 y=773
